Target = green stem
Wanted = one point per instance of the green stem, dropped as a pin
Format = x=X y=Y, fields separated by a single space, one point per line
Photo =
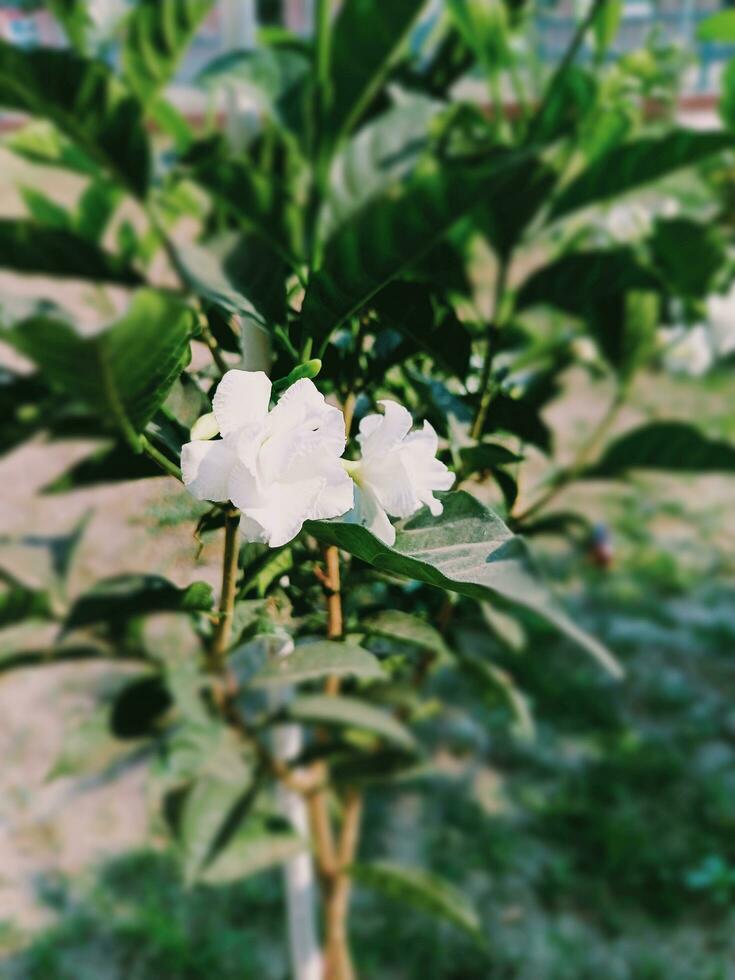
x=486 y=389
x=569 y=55
x=167 y=465
x=223 y=630
x=570 y=473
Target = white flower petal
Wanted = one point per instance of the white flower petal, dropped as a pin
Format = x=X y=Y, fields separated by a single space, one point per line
x=336 y=496
x=379 y=434
x=369 y=514
x=206 y=468
x=241 y=399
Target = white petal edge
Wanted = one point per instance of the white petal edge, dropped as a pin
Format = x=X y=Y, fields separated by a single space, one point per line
x=241 y=398
x=206 y=468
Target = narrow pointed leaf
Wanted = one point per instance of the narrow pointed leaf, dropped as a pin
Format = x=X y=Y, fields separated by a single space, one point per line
x=322 y=709
x=423 y=891
x=394 y=624
x=260 y=843
x=675 y=446
x=117 y=599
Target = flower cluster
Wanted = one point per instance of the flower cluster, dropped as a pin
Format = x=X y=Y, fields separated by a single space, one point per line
x=283 y=467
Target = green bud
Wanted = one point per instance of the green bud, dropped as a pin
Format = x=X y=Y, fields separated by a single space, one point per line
x=309 y=369
x=205 y=427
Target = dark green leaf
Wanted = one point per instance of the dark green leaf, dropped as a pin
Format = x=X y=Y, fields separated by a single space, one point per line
x=507 y=209
x=41 y=142
x=718 y=27
x=386 y=236
x=74 y=17
x=486 y=456
x=139 y=706
x=159 y=31
x=19 y=603
x=85 y=101
x=469 y=550
x=312 y=661
x=238 y=274
x=428 y=321
x=95 y=209
x=44 y=210
x=111 y=464
x=688 y=255
x=675 y=446
x=632 y=165
x=323 y=709
x=28 y=247
x=117 y=599
x=421 y=890
x=124 y=370
x=365 y=36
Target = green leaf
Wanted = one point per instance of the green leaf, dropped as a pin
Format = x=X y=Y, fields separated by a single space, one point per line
x=727 y=97
x=74 y=17
x=28 y=247
x=211 y=806
x=485 y=28
x=487 y=456
x=273 y=563
x=259 y=843
x=428 y=321
x=600 y=288
x=688 y=255
x=236 y=273
x=139 y=706
x=265 y=75
x=718 y=27
x=421 y=890
x=19 y=603
x=323 y=709
x=95 y=208
x=86 y=102
x=469 y=550
x=632 y=165
x=41 y=142
x=116 y=599
x=125 y=369
x=312 y=661
x=397 y=625
x=159 y=32
x=507 y=209
x=606 y=24
x=486 y=674
x=365 y=36
x=675 y=446
x=384 y=150
x=387 y=235
x=88 y=748
x=44 y=210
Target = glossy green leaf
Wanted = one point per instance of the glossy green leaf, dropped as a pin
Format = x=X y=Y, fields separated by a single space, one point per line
x=19 y=603
x=29 y=247
x=675 y=446
x=85 y=101
x=236 y=273
x=485 y=28
x=125 y=369
x=635 y=164
x=607 y=23
x=74 y=17
x=95 y=208
x=312 y=661
x=116 y=599
x=158 y=34
x=507 y=209
x=323 y=709
x=365 y=37
x=487 y=456
x=259 y=843
x=421 y=890
x=44 y=210
x=387 y=235
x=394 y=624
x=469 y=550
x=384 y=150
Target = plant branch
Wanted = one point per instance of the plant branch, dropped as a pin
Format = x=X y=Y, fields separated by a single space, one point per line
x=338 y=962
x=568 y=474
x=223 y=630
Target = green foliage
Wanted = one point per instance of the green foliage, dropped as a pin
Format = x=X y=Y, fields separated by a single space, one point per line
x=469 y=550
x=314 y=661
x=126 y=369
x=117 y=599
x=87 y=104
x=674 y=446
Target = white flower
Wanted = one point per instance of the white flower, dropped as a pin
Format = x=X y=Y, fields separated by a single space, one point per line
x=397 y=473
x=687 y=350
x=280 y=468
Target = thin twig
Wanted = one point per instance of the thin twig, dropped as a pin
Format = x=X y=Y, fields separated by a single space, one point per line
x=166 y=464
x=223 y=630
